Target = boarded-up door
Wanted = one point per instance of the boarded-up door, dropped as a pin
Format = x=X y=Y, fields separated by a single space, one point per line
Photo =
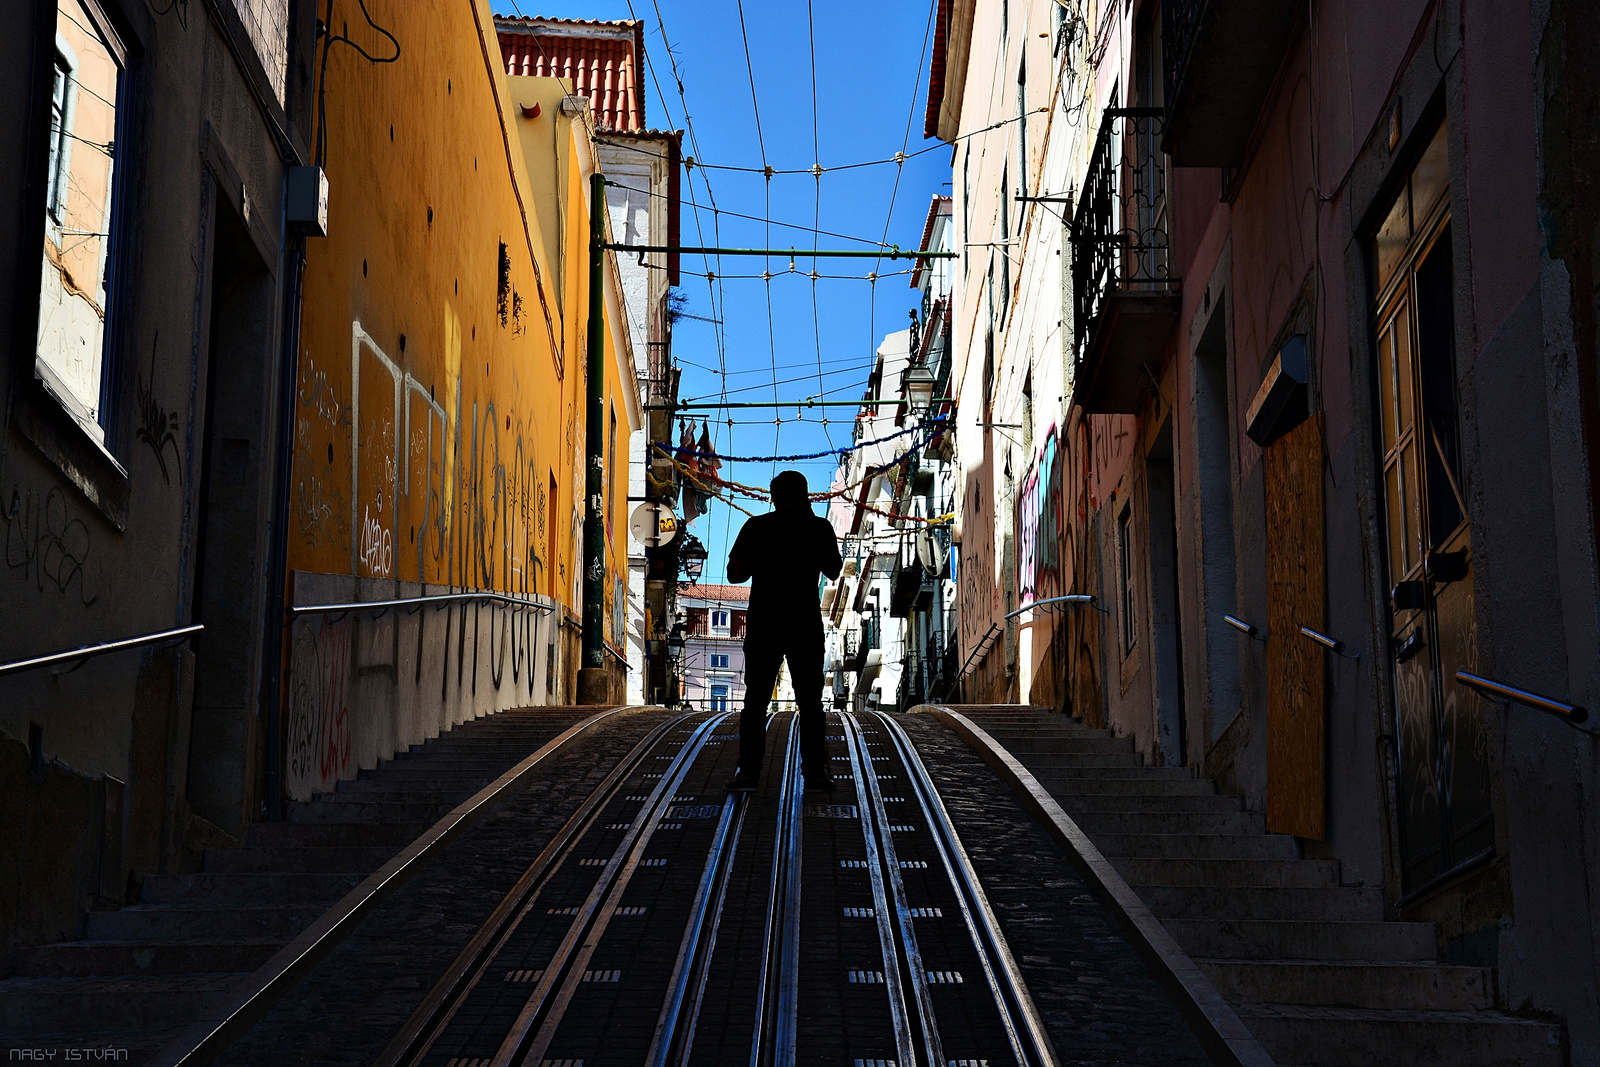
x=1297 y=596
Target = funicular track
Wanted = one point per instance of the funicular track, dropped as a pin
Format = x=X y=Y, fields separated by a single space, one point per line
x=672 y=923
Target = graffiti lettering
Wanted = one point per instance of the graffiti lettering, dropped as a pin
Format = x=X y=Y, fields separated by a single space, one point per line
x=44 y=540
x=319 y=712
x=377 y=546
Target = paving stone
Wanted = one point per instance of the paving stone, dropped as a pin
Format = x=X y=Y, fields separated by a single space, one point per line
x=1099 y=1001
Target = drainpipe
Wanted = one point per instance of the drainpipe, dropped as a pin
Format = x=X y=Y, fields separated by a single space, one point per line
x=593 y=683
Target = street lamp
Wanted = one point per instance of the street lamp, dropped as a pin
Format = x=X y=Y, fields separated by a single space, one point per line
x=675 y=645
x=693 y=556
x=919 y=385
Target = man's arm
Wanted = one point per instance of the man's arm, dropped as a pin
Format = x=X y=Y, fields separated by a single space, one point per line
x=738 y=559
x=829 y=560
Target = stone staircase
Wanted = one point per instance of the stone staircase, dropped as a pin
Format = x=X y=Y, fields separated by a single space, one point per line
x=143 y=973
x=1308 y=963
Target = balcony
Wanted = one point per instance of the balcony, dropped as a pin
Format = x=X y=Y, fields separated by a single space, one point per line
x=1125 y=295
x=1221 y=59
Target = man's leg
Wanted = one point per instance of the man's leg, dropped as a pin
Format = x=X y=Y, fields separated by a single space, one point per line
x=805 y=670
x=760 y=674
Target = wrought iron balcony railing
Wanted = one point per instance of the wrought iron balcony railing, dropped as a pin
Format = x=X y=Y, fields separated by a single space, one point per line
x=1180 y=23
x=1119 y=232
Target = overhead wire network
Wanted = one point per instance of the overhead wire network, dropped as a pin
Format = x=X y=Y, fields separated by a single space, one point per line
x=702 y=200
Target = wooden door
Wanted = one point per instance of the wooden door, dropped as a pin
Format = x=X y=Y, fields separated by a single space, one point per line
x=1297 y=595
x=1445 y=820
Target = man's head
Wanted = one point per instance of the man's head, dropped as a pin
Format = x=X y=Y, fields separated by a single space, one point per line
x=789 y=490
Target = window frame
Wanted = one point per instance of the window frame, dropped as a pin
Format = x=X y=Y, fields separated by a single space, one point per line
x=89 y=461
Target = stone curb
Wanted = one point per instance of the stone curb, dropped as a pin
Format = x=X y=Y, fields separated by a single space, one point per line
x=208 y=1038
x=1219 y=1029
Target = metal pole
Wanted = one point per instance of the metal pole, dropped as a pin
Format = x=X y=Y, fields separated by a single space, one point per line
x=592 y=687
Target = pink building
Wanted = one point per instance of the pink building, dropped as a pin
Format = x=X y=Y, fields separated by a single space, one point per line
x=713 y=648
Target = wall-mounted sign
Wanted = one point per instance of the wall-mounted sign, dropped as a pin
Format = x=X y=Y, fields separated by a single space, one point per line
x=653 y=525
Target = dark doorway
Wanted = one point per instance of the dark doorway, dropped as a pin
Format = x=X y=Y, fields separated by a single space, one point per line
x=230 y=506
x=1214 y=434
x=1167 y=660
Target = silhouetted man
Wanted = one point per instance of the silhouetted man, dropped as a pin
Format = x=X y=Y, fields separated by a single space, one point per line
x=783 y=553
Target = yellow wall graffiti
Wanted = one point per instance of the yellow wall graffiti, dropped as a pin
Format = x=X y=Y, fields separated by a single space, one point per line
x=439 y=434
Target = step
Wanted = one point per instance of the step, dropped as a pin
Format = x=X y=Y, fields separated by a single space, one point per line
x=1259 y=902
x=1026 y=733
x=1137 y=783
x=143 y=922
x=1352 y=983
x=310 y=835
x=1032 y=745
x=247 y=888
x=1076 y=763
x=1199 y=846
x=1095 y=823
x=1127 y=768
x=418 y=784
x=1279 y=939
x=1359 y=1037
x=65 y=959
x=367 y=811
x=1073 y=801
x=134 y=1002
x=1296 y=873
x=298 y=860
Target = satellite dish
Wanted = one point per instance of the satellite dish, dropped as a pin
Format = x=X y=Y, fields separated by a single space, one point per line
x=653 y=525
x=930 y=553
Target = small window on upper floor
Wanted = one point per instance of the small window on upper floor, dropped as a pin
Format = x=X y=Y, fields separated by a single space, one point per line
x=719 y=661
x=78 y=256
x=719 y=620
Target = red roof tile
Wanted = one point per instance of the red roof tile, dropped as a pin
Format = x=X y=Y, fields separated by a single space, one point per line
x=600 y=60
x=712 y=591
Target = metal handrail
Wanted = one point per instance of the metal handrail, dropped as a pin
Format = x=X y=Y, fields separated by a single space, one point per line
x=1572 y=713
x=984 y=644
x=1247 y=628
x=1332 y=644
x=88 y=651
x=1070 y=598
x=436 y=598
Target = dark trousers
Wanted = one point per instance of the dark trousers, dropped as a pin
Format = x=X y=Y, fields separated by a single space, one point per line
x=802 y=647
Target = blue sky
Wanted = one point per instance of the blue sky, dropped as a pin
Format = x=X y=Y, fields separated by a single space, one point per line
x=870 y=76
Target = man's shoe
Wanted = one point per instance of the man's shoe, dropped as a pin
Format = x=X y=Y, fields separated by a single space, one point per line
x=820 y=785
x=743 y=783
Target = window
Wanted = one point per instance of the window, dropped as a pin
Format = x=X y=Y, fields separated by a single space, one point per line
x=75 y=282
x=719 y=698
x=719 y=620
x=719 y=661
x=1125 y=575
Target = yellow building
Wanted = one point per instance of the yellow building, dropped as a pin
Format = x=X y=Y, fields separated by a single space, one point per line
x=439 y=438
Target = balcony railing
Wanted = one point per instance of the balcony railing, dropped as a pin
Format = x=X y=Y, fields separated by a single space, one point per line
x=1119 y=234
x=1180 y=24
x=1221 y=60
x=1120 y=245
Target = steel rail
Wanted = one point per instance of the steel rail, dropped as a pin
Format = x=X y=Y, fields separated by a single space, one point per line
x=671 y=1042
x=1569 y=713
x=223 y=1023
x=548 y=1004
x=428 y=1022
x=89 y=651
x=297 y=610
x=861 y=764
x=1024 y=1026
x=773 y=1043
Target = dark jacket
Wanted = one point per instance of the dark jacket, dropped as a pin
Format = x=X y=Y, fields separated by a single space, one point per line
x=784 y=553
